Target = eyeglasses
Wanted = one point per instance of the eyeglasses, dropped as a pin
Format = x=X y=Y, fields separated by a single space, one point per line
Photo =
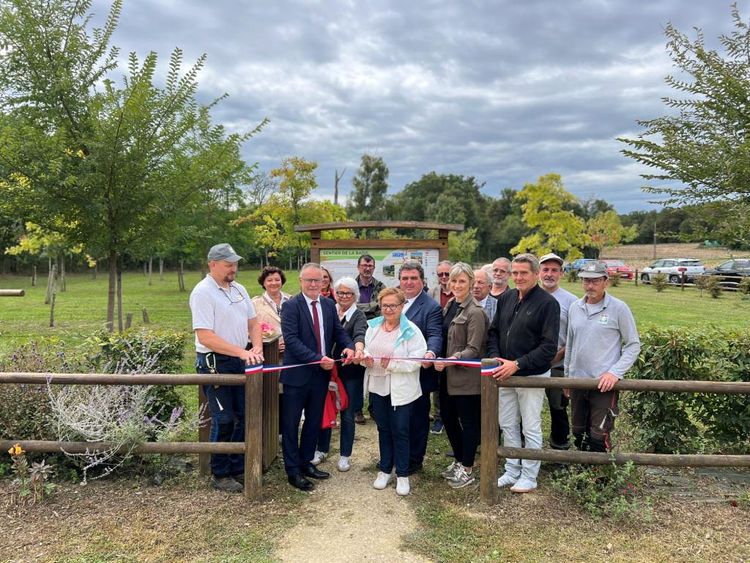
x=592 y=281
x=344 y=294
x=312 y=280
x=443 y=274
x=367 y=266
x=228 y=295
x=499 y=271
x=390 y=306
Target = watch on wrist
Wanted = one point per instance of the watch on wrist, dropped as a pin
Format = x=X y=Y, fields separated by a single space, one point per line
x=516 y=362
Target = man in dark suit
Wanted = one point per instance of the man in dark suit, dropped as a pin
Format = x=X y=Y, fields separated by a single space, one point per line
x=310 y=327
x=423 y=311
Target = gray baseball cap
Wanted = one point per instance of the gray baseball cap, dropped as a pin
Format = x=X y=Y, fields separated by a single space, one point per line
x=223 y=251
x=551 y=256
x=593 y=270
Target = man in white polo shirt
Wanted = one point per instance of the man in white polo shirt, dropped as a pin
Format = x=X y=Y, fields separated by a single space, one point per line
x=223 y=317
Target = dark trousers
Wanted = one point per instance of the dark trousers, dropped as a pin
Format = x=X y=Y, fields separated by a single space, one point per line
x=353 y=386
x=300 y=448
x=419 y=430
x=463 y=423
x=558 y=411
x=393 y=434
x=593 y=417
x=226 y=404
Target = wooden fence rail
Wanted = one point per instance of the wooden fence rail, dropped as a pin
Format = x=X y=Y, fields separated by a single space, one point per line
x=261 y=424
x=490 y=431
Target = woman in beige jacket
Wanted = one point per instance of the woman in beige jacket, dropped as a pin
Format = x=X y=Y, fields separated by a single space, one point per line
x=268 y=306
x=464 y=338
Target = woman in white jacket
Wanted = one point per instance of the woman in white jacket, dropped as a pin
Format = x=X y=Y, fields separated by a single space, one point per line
x=393 y=384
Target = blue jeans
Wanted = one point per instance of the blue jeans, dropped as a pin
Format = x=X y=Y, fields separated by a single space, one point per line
x=226 y=403
x=393 y=434
x=353 y=386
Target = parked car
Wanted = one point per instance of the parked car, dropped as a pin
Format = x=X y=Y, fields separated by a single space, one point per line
x=619 y=267
x=577 y=264
x=673 y=268
x=731 y=272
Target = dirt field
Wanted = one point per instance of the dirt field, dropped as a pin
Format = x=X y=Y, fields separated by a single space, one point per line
x=641 y=255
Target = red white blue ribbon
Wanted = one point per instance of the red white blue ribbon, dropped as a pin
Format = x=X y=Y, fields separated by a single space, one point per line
x=484 y=370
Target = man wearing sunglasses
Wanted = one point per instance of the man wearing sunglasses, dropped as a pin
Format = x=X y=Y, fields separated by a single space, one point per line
x=442 y=292
x=223 y=317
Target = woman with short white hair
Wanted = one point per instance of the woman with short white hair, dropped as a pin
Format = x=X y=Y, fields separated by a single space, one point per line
x=355 y=323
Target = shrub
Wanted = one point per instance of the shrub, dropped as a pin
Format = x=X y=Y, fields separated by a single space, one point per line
x=660 y=282
x=713 y=286
x=572 y=275
x=25 y=408
x=131 y=351
x=691 y=422
x=606 y=490
x=614 y=279
x=702 y=282
x=744 y=287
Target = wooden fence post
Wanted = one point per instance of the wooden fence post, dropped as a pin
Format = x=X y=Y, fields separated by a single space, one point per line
x=488 y=459
x=253 y=436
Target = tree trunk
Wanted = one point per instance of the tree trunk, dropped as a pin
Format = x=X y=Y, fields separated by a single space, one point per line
x=112 y=290
x=128 y=320
x=50 y=273
x=161 y=268
x=181 y=275
x=33 y=276
x=150 y=268
x=95 y=270
x=61 y=261
x=52 y=288
x=146 y=320
x=119 y=296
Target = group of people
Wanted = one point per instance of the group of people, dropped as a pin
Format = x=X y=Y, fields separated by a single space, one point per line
x=407 y=349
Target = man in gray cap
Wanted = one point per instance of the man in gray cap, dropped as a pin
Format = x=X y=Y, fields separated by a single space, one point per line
x=223 y=317
x=603 y=344
x=550 y=274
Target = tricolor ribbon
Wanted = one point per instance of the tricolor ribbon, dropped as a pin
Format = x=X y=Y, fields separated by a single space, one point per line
x=484 y=370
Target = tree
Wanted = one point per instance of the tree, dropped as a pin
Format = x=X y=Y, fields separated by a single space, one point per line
x=701 y=150
x=606 y=230
x=462 y=246
x=367 y=200
x=554 y=229
x=116 y=164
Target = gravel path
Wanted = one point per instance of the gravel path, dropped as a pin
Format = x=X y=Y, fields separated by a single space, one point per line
x=346 y=519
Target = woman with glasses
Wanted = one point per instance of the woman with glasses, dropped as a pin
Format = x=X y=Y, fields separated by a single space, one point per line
x=352 y=375
x=268 y=306
x=464 y=338
x=393 y=383
x=326 y=289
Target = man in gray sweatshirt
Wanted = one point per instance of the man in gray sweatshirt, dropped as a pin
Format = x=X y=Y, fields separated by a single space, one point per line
x=602 y=344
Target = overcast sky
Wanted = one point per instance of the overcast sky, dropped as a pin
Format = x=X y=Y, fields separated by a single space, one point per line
x=504 y=91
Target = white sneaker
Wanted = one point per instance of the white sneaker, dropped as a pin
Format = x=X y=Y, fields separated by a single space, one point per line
x=450 y=471
x=506 y=480
x=318 y=457
x=462 y=478
x=402 y=486
x=344 y=463
x=382 y=480
x=523 y=486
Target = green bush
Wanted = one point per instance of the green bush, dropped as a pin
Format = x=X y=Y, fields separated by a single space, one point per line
x=691 y=422
x=713 y=286
x=744 y=287
x=572 y=275
x=660 y=282
x=614 y=279
x=606 y=490
x=25 y=408
x=142 y=351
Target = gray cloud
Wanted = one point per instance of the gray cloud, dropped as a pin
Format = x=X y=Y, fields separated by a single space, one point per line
x=504 y=91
